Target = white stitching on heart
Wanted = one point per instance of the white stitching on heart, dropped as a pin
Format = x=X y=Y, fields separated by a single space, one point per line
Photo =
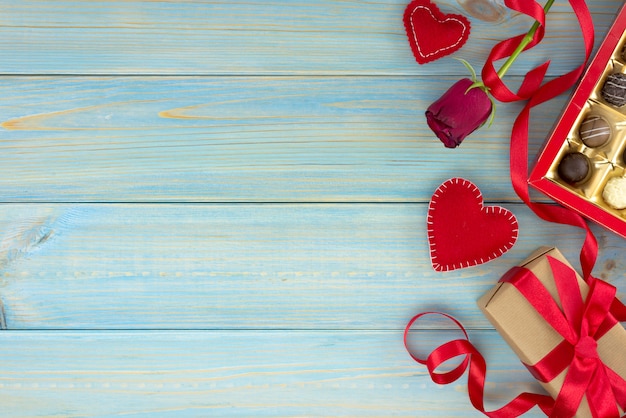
x=434 y=17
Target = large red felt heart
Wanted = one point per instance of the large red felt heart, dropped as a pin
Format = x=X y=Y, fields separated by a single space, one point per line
x=462 y=232
x=432 y=34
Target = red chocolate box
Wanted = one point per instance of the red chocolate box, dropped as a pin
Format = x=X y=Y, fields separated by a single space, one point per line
x=587 y=148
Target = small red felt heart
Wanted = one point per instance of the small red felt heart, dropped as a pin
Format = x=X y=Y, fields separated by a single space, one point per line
x=462 y=232
x=432 y=34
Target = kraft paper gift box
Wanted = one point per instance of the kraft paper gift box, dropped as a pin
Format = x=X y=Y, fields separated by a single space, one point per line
x=530 y=337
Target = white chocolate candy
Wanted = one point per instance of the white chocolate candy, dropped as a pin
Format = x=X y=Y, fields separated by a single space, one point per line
x=614 y=193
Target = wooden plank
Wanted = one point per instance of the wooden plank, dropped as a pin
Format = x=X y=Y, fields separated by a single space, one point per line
x=260 y=37
x=228 y=139
x=317 y=266
x=239 y=374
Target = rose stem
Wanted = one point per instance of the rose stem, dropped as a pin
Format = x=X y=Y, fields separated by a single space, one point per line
x=525 y=41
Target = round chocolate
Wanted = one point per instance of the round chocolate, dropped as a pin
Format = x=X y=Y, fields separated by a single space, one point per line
x=614 y=89
x=575 y=168
x=614 y=193
x=594 y=131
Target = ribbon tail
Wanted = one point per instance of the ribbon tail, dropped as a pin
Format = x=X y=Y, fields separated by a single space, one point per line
x=476 y=382
x=619 y=386
x=576 y=381
x=477 y=373
x=600 y=398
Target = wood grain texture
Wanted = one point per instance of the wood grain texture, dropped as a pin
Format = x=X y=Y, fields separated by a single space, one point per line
x=230 y=139
x=343 y=266
x=239 y=374
x=258 y=37
x=217 y=208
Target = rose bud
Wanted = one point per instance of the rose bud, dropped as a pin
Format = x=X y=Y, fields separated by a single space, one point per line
x=459 y=112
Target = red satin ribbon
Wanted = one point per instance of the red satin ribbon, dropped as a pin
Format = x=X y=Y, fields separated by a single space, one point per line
x=505 y=49
x=519 y=134
x=531 y=89
x=477 y=373
x=582 y=322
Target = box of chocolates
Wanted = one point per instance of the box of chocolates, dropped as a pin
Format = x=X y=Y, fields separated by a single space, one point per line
x=583 y=164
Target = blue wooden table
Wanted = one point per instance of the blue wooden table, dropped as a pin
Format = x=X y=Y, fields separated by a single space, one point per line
x=217 y=208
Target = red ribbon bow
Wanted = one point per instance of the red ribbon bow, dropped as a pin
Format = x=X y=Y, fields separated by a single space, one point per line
x=581 y=323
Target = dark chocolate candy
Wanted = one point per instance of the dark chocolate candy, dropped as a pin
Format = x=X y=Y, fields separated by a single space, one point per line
x=575 y=168
x=594 y=131
x=614 y=89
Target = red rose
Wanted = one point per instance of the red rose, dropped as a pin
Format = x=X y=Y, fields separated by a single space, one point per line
x=458 y=113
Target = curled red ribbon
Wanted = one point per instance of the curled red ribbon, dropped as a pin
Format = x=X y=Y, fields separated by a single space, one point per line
x=505 y=49
x=477 y=373
x=531 y=89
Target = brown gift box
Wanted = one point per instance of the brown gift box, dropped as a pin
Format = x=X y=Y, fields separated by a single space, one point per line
x=530 y=337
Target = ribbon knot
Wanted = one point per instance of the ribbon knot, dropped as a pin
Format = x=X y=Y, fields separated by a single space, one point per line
x=587 y=347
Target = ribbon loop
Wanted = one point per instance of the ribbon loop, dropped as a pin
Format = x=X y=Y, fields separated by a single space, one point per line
x=477 y=373
x=506 y=48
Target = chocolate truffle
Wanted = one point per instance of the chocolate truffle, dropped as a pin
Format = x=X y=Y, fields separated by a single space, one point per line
x=614 y=89
x=614 y=193
x=594 y=131
x=575 y=168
